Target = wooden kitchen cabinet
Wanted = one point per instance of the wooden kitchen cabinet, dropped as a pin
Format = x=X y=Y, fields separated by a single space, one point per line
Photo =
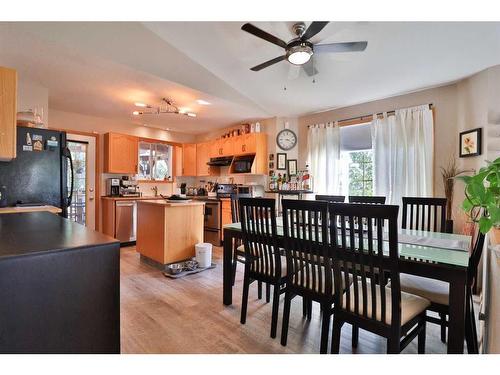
x=8 y=111
x=189 y=159
x=120 y=153
x=245 y=144
x=202 y=157
x=222 y=147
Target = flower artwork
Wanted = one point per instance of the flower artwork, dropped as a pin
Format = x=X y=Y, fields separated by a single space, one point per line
x=470 y=143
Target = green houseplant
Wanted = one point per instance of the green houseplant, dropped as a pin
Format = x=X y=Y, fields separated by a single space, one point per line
x=482 y=198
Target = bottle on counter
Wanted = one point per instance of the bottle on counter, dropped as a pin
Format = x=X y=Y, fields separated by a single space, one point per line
x=284 y=185
x=280 y=182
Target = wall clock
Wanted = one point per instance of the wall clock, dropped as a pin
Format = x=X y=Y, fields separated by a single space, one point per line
x=286 y=139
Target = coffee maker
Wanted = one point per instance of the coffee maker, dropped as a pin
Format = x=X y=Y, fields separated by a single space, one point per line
x=113 y=187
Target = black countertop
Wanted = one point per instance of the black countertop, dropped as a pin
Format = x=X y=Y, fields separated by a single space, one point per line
x=35 y=232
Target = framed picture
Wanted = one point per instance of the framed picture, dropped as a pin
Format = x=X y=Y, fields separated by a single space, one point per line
x=470 y=143
x=271 y=157
x=292 y=167
x=281 y=161
x=271 y=165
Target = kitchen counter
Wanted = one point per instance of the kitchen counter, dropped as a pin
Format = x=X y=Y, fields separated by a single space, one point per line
x=59 y=286
x=163 y=202
x=144 y=197
x=16 y=210
x=167 y=232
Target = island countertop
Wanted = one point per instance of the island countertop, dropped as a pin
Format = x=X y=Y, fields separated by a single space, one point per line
x=163 y=202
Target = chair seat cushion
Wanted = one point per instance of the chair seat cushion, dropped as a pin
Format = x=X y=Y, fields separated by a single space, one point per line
x=308 y=278
x=411 y=305
x=436 y=291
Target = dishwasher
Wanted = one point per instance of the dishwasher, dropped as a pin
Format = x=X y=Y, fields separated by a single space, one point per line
x=125 y=221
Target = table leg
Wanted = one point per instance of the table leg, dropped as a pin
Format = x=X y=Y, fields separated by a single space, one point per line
x=227 y=261
x=456 y=328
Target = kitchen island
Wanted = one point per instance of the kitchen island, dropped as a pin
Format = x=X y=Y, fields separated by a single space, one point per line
x=167 y=232
x=59 y=286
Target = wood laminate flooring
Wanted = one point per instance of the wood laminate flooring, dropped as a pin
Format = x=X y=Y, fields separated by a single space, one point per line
x=162 y=315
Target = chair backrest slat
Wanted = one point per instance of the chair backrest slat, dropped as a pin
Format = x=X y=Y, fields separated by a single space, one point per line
x=330 y=198
x=369 y=257
x=429 y=214
x=366 y=199
x=305 y=230
x=259 y=235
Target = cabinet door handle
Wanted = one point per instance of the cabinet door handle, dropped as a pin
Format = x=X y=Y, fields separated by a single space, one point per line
x=243 y=148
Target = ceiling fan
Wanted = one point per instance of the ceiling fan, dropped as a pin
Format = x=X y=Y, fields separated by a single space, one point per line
x=299 y=50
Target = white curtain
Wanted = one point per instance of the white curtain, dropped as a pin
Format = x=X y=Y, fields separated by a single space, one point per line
x=403 y=148
x=323 y=142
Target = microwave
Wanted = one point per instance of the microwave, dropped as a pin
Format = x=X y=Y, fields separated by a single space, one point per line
x=250 y=191
x=242 y=164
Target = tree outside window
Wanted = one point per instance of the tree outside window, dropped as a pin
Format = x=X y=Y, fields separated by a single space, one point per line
x=361 y=173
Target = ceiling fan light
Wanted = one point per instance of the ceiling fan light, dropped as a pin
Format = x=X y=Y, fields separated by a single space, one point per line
x=299 y=57
x=136 y=113
x=191 y=114
x=138 y=104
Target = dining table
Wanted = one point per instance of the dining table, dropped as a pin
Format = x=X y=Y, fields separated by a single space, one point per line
x=435 y=255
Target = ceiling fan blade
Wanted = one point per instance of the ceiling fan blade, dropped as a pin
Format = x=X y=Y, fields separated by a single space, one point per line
x=254 y=30
x=314 y=28
x=340 y=47
x=310 y=69
x=268 y=63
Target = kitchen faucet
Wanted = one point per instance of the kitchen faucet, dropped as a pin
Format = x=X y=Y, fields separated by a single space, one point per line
x=155 y=189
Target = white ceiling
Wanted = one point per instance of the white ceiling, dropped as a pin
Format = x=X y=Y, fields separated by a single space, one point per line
x=100 y=69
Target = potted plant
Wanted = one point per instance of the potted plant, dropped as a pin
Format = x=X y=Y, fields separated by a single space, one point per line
x=482 y=199
x=448 y=174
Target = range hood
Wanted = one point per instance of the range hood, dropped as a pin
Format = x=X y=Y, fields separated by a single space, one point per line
x=222 y=161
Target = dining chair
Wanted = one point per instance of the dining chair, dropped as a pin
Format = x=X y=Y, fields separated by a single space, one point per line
x=422 y=213
x=238 y=248
x=368 y=303
x=309 y=269
x=263 y=260
x=437 y=292
x=330 y=198
x=366 y=199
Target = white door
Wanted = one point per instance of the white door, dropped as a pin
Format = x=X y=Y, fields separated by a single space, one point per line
x=83 y=152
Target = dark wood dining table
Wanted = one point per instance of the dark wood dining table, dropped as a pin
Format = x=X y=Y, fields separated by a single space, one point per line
x=427 y=254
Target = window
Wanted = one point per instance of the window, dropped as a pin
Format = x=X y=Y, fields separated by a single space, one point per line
x=360 y=166
x=155 y=161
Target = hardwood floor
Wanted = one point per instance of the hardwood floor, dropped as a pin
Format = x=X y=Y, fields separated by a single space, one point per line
x=162 y=315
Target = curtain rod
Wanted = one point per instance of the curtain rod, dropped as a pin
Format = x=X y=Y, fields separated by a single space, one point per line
x=367 y=117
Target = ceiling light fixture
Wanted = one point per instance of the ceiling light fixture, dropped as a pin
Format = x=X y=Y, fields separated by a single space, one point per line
x=166 y=106
x=202 y=102
x=300 y=53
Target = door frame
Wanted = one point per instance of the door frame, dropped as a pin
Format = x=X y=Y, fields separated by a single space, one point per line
x=97 y=187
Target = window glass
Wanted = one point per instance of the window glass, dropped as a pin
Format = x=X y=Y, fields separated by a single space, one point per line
x=145 y=155
x=360 y=172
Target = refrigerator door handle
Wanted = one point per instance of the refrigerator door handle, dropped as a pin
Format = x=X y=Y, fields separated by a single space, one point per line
x=67 y=154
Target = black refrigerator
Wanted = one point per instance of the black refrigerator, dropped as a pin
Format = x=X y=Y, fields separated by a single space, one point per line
x=39 y=173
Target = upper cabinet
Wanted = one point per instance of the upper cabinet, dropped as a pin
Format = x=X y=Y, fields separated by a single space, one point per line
x=196 y=156
x=202 y=158
x=222 y=147
x=189 y=159
x=246 y=143
x=8 y=109
x=120 y=153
